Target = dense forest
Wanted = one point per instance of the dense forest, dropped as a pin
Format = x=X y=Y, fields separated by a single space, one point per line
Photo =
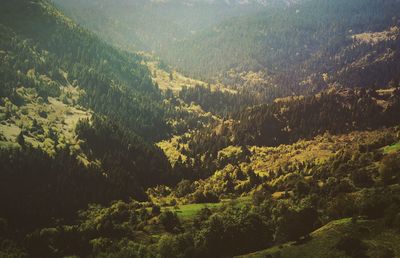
x=284 y=143
x=35 y=30
x=296 y=46
x=45 y=51
x=268 y=48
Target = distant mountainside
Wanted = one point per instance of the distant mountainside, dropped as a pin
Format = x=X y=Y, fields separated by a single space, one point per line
x=275 y=48
x=154 y=25
x=301 y=48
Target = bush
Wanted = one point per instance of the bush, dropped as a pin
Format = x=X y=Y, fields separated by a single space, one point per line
x=361 y=178
x=170 y=221
x=293 y=224
x=232 y=232
x=352 y=246
x=390 y=168
x=175 y=246
x=155 y=210
x=183 y=188
x=382 y=252
x=205 y=197
x=374 y=204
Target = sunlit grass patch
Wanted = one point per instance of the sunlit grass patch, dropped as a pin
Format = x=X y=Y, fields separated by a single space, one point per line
x=392 y=148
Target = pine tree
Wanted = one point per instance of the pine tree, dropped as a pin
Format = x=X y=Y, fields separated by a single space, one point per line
x=21 y=139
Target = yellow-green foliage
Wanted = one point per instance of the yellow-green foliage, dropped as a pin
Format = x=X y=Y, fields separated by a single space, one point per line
x=230 y=151
x=290 y=158
x=251 y=79
x=188 y=211
x=163 y=78
x=318 y=150
x=46 y=125
x=171 y=150
x=392 y=148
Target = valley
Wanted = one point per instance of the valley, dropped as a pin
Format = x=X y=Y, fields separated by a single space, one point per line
x=200 y=128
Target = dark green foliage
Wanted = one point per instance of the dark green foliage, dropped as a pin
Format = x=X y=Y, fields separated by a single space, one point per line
x=312 y=116
x=383 y=252
x=205 y=197
x=352 y=246
x=131 y=163
x=294 y=46
x=31 y=181
x=361 y=178
x=218 y=102
x=232 y=232
x=44 y=50
x=390 y=168
x=183 y=188
x=179 y=246
x=21 y=139
x=292 y=225
x=170 y=221
x=155 y=210
x=374 y=203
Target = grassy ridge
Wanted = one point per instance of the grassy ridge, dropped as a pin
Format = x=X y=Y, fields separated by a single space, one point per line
x=323 y=241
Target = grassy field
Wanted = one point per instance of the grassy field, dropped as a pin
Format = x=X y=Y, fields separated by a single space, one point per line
x=188 y=211
x=324 y=239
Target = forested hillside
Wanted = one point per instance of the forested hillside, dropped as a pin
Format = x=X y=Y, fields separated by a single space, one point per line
x=289 y=120
x=285 y=143
x=144 y=25
x=75 y=116
x=299 y=49
x=266 y=48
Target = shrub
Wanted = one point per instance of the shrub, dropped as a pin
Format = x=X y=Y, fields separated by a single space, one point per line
x=352 y=246
x=389 y=168
x=205 y=197
x=170 y=221
x=183 y=188
x=155 y=210
x=361 y=178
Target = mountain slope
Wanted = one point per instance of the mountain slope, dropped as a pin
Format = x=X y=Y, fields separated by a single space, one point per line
x=78 y=118
x=299 y=49
x=325 y=241
x=273 y=48
x=155 y=25
x=93 y=64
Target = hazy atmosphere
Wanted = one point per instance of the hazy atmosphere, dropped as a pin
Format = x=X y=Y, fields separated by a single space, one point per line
x=200 y=128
